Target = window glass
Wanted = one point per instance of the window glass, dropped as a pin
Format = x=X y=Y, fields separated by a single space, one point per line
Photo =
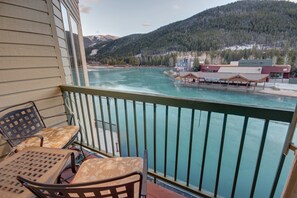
x=69 y=45
x=77 y=48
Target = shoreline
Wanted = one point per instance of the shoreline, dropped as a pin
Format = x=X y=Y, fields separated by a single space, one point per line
x=122 y=66
x=259 y=89
x=270 y=91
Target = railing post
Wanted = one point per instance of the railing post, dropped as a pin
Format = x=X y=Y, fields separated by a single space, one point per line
x=154 y=132
x=290 y=133
x=290 y=190
x=287 y=145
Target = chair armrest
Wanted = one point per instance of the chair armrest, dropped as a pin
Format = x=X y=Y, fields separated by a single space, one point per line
x=62 y=114
x=26 y=137
x=144 y=174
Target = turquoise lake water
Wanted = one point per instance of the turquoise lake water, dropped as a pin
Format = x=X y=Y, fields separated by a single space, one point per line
x=152 y=80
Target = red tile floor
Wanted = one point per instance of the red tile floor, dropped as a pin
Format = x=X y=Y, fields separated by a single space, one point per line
x=153 y=190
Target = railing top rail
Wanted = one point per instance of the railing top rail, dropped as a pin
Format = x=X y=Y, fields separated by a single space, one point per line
x=234 y=109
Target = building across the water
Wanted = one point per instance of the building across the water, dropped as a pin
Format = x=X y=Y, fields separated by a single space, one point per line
x=184 y=63
x=266 y=67
x=240 y=80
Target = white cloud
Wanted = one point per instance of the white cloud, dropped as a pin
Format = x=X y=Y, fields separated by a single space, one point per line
x=85 y=9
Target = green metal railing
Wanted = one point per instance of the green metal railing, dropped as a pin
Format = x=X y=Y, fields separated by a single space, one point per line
x=141 y=121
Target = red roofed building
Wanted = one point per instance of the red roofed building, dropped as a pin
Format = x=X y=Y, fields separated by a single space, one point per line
x=274 y=71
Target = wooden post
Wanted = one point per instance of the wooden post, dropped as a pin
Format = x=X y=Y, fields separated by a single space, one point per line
x=290 y=190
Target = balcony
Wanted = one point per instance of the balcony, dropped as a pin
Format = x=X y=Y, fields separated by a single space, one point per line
x=202 y=148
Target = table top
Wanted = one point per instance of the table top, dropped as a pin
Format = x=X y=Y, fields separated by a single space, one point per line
x=35 y=163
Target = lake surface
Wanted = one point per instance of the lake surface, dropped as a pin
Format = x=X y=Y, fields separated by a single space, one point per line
x=152 y=80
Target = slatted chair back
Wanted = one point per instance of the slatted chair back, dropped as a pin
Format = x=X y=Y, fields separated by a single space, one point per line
x=20 y=121
x=124 y=186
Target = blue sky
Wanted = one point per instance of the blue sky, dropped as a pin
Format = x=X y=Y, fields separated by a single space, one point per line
x=124 y=17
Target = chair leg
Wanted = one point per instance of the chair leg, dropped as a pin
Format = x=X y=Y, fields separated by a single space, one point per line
x=59 y=181
x=82 y=156
x=144 y=176
x=73 y=168
x=81 y=141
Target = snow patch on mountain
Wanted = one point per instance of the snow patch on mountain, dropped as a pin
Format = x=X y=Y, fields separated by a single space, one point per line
x=93 y=52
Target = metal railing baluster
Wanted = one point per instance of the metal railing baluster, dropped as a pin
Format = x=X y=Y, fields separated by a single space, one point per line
x=110 y=126
x=144 y=125
x=166 y=141
x=190 y=146
x=177 y=144
x=127 y=126
x=83 y=118
x=204 y=150
x=79 y=106
x=96 y=124
x=103 y=124
x=278 y=173
x=220 y=155
x=259 y=159
x=118 y=124
x=135 y=127
x=239 y=155
x=78 y=114
x=155 y=143
x=90 y=120
x=71 y=106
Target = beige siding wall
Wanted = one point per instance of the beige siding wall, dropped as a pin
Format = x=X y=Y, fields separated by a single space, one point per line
x=72 y=6
x=31 y=66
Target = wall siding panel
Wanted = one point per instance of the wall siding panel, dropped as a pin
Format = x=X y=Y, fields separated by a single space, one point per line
x=49 y=103
x=28 y=62
x=31 y=67
x=17 y=98
x=55 y=122
x=62 y=43
x=26 y=50
x=32 y=4
x=57 y=12
x=23 y=13
x=57 y=4
x=63 y=123
x=25 y=38
x=27 y=74
x=53 y=111
x=64 y=52
x=58 y=23
x=60 y=33
x=24 y=26
x=29 y=85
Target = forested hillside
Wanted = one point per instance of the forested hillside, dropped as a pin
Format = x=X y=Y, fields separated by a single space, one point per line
x=269 y=24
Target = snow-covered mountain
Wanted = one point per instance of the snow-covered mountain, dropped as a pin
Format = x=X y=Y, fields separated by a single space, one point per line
x=94 y=39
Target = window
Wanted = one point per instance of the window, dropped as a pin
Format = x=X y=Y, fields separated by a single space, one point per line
x=71 y=31
x=77 y=48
